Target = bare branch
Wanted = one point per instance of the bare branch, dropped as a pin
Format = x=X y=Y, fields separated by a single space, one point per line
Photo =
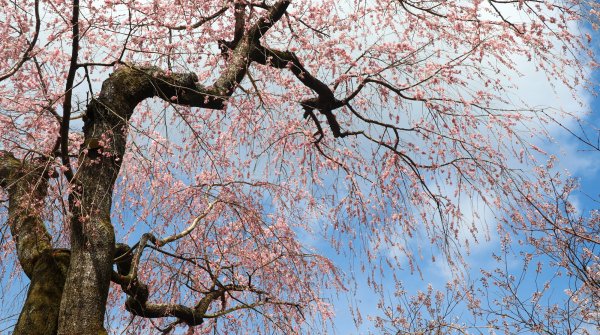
x=189 y=229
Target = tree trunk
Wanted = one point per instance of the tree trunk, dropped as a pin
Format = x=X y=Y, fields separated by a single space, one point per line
x=39 y=315
x=68 y=295
x=26 y=183
x=106 y=120
x=92 y=235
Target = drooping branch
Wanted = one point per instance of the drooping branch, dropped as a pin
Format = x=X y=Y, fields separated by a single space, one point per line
x=325 y=102
x=105 y=136
x=201 y=21
x=27 y=54
x=183 y=89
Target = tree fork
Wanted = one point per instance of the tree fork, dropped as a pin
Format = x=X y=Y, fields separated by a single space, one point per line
x=89 y=268
x=92 y=235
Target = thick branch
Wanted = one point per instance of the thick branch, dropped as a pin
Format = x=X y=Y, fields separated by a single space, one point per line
x=26 y=183
x=265 y=23
x=149 y=310
x=138 y=293
x=184 y=89
x=128 y=260
x=105 y=136
x=240 y=22
x=325 y=101
x=67 y=105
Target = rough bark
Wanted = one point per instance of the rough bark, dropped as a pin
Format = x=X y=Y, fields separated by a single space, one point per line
x=92 y=235
x=39 y=315
x=84 y=277
x=26 y=183
x=80 y=282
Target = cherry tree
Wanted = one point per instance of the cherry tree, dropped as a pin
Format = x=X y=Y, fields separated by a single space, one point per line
x=184 y=160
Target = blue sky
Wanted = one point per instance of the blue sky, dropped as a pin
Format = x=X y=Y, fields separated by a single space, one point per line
x=586 y=170
x=582 y=162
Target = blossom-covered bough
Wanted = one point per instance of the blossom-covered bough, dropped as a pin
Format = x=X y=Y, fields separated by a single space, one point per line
x=221 y=138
